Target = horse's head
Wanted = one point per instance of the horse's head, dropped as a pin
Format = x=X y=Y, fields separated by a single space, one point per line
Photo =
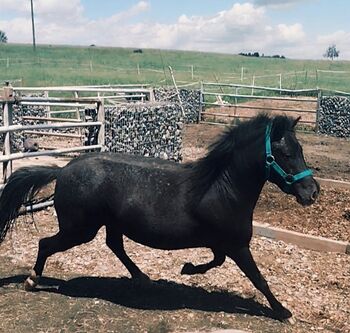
x=285 y=164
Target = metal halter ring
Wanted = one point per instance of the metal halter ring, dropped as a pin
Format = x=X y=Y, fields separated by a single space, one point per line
x=289 y=179
x=270 y=159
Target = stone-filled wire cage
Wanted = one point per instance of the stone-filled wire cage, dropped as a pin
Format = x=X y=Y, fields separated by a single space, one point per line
x=17 y=138
x=189 y=98
x=151 y=130
x=334 y=116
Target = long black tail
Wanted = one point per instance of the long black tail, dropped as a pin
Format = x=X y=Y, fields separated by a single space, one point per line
x=21 y=188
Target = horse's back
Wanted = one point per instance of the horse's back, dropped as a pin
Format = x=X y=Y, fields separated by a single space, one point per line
x=101 y=173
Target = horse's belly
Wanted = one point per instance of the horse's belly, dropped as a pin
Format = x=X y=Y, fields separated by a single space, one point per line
x=167 y=235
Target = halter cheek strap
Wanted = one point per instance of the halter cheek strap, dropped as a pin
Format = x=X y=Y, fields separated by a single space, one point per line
x=270 y=163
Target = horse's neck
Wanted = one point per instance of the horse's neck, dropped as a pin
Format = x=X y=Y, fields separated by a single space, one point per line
x=248 y=187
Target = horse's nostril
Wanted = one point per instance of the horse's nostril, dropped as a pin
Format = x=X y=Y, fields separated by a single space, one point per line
x=314 y=195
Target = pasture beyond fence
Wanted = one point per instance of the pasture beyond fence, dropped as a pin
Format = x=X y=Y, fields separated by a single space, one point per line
x=142 y=120
x=151 y=66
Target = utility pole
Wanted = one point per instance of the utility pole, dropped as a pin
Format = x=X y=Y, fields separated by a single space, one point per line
x=33 y=27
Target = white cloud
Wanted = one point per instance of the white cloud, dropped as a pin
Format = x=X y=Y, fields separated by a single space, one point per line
x=339 y=36
x=278 y=3
x=116 y=19
x=45 y=9
x=17 y=29
x=15 y=5
x=141 y=6
x=290 y=34
x=58 y=10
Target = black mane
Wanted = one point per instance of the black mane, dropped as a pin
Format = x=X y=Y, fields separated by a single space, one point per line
x=229 y=150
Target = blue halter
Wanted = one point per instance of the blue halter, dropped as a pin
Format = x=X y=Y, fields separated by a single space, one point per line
x=289 y=179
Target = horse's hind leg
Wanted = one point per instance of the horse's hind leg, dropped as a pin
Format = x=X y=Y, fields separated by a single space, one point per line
x=60 y=242
x=190 y=269
x=114 y=240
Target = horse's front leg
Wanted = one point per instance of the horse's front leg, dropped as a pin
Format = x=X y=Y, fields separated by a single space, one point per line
x=190 y=269
x=245 y=261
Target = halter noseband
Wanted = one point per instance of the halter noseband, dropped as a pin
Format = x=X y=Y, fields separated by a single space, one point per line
x=289 y=179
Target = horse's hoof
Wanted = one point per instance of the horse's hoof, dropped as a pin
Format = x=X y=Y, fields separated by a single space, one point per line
x=188 y=269
x=291 y=320
x=283 y=314
x=31 y=282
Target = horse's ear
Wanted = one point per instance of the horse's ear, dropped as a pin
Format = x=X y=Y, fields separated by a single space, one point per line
x=295 y=122
x=278 y=128
x=277 y=134
x=280 y=125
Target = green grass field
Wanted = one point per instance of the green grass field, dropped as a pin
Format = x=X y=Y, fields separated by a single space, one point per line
x=66 y=65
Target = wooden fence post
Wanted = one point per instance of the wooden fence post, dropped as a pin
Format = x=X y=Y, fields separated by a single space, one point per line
x=201 y=101
x=319 y=97
x=48 y=108
x=101 y=118
x=152 y=98
x=280 y=82
x=7 y=119
x=177 y=91
x=77 y=112
x=253 y=84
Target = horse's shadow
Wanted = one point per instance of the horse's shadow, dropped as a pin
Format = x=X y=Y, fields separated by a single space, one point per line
x=156 y=295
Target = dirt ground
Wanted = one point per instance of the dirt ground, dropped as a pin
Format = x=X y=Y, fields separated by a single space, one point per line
x=87 y=289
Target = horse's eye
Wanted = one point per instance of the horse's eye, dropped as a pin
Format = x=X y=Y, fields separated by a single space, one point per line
x=289 y=154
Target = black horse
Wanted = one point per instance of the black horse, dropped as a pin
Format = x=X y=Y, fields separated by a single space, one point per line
x=171 y=206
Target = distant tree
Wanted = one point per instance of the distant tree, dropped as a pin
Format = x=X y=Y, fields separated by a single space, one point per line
x=3 y=37
x=332 y=52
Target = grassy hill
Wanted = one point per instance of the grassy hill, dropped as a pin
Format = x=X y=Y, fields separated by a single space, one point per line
x=67 y=65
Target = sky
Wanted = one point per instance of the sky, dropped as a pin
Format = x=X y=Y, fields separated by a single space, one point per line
x=299 y=29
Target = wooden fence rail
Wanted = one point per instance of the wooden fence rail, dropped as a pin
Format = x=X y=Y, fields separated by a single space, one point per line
x=216 y=89
x=82 y=97
x=16 y=156
x=15 y=128
x=8 y=99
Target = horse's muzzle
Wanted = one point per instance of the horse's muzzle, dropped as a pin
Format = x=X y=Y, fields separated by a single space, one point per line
x=307 y=191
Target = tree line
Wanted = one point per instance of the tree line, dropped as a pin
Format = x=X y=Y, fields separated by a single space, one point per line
x=331 y=52
x=257 y=55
